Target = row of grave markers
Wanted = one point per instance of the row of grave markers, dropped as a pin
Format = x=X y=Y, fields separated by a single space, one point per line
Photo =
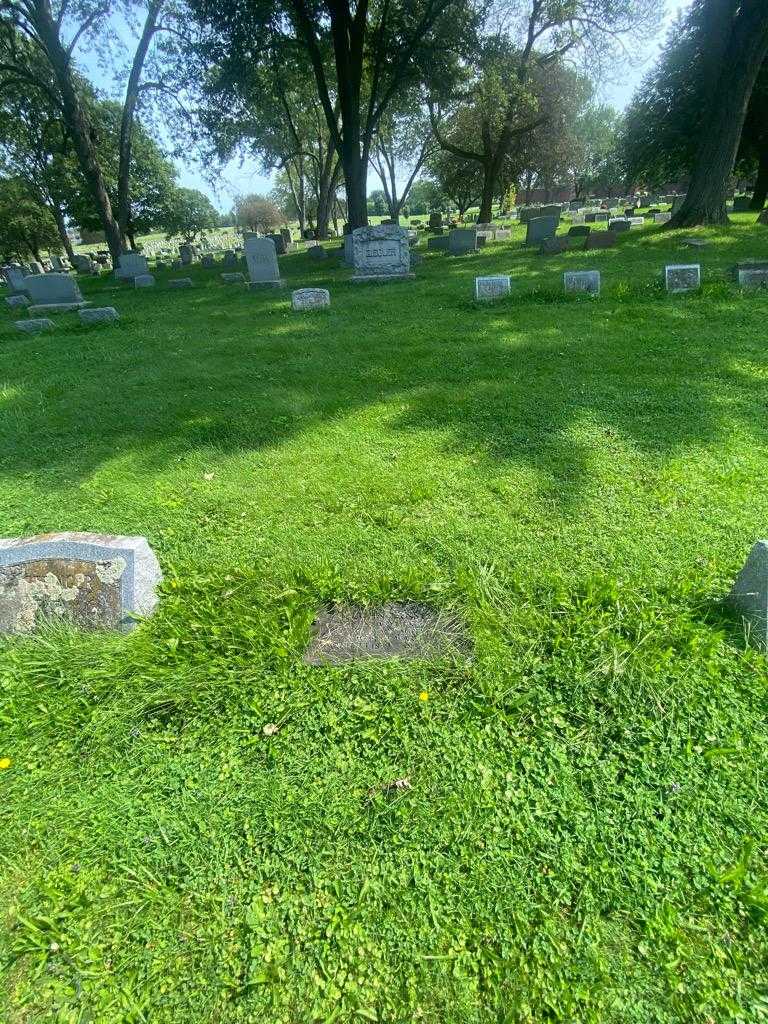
x=102 y=581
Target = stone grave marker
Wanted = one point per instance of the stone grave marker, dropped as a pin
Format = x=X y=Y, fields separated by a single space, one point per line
x=578 y=218
x=17 y=300
x=131 y=265
x=636 y=222
x=181 y=282
x=15 y=276
x=144 y=281
x=317 y=252
x=749 y=594
x=582 y=281
x=461 y=241
x=237 y=277
x=579 y=231
x=91 y=580
x=435 y=220
x=34 y=326
x=740 y=204
x=187 y=254
x=682 y=277
x=503 y=235
x=600 y=240
x=53 y=293
x=397 y=629
x=752 y=277
x=589 y=218
x=489 y=288
x=539 y=228
x=662 y=218
x=101 y=314
x=35 y=267
x=304 y=299
x=619 y=224
x=261 y=257
x=602 y=217
x=553 y=246
x=438 y=243
x=280 y=246
x=381 y=253
x=208 y=260
x=230 y=258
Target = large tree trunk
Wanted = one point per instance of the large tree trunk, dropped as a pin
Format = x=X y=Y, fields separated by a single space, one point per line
x=761 y=185
x=486 y=198
x=79 y=128
x=745 y=51
x=126 y=122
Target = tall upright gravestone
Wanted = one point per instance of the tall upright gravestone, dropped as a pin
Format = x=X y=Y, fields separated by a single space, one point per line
x=381 y=253
x=261 y=257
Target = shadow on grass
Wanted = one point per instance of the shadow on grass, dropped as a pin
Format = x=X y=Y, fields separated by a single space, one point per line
x=233 y=370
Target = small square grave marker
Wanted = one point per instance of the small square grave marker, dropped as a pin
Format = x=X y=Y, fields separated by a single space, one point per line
x=237 y=277
x=582 y=281
x=682 y=277
x=310 y=298
x=102 y=314
x=752 y=277
x=489 y=288
x=144 y=281
x=34 y=326
x=181 y=282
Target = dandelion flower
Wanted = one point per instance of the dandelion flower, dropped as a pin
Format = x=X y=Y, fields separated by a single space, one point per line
x=5 y=762
x=423 y=695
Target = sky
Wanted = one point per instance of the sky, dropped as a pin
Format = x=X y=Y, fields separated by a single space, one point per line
x=237 y=178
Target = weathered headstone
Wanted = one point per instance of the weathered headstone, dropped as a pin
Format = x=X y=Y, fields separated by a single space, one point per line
x=619 y=224
x=662 y=218
x=461 y=241
x=589 y=218
x=602 y=217
x=53 y=293
x=310 y=298
x=381 y=253
x=187 y=254
x=489 y=288
x=230 y=258
x=91 y=580
x=34 y=326
x=503 y=235
x=131 y=265
x=600 y=240
x=280 y=246
x=207 y=260
x=181 y=282
x=317 y=252
x=682 y=277
x=579 y=231
x=144 y=281
x=236 y=277
x=261 y=257
x=582 y=281
x=35 y=267
x=83 y=264
x=17 y=300
x=636 y=222
x=438 y=243
x=553 y=246
x=750 y=593
x=540 y=228
x=101 y=314
x=752 y=277
x=435 y=219
x=741 y=204
x=15 y=277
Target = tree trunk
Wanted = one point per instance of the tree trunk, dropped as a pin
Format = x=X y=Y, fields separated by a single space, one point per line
x=79 y=128
x=126 y=122
x=742 y=56
x=58 y=216
x=486 y=199
x=761 y=185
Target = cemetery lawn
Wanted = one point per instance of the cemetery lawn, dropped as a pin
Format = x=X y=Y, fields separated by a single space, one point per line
x=584 y=834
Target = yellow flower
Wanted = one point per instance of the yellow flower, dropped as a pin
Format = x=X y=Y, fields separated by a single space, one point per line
x=423 y=695
x=5 y=762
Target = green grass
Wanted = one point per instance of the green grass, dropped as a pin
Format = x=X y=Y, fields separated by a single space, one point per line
x=584 y=839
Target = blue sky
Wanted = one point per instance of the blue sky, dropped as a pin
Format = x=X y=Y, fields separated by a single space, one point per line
x=236 y=178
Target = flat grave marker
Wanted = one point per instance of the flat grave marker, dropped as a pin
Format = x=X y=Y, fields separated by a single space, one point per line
x=582 y=281
x=305 y=299
x=487 y=289
x=682 y=277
